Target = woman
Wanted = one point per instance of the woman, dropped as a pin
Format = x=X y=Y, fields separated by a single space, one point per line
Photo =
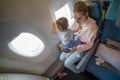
x=86 y=35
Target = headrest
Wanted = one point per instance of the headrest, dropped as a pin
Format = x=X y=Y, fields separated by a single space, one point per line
x=117 y=1
x=118 y=18
x=93 y=10
x=112 y=11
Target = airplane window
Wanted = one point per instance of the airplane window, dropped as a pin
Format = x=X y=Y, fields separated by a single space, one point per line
x=63 y=12
x=27 y=45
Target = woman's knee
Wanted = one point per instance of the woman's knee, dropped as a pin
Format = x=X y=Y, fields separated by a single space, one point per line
x=67 y=64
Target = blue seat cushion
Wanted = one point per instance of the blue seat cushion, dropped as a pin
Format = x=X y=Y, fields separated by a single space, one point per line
x=101 y=72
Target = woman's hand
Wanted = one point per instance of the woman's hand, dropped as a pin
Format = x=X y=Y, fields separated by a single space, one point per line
x=73 y=49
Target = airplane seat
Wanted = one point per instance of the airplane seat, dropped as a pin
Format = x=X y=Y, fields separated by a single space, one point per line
x=110 y=23
x=97 y=11
x=81 y=64
x=118 y=18
x=111 y=30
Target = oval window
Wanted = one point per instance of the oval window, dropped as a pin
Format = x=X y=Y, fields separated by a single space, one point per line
x=27 y=44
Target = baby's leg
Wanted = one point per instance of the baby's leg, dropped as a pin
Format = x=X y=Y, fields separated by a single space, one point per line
x=63 y=56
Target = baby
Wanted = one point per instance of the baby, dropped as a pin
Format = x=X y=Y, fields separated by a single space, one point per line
x=67 y=37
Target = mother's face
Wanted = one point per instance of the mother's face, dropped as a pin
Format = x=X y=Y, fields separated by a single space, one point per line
x=79 y=17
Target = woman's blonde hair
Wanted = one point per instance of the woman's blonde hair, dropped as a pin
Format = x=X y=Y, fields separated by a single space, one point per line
x=80 y=7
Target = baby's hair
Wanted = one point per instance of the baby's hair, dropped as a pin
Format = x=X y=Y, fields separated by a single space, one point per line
x=62 y=24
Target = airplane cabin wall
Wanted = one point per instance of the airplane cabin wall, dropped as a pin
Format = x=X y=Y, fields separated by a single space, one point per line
x=33 y=16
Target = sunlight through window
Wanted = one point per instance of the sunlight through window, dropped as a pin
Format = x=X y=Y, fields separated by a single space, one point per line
x=64 y=12
x=27 y=44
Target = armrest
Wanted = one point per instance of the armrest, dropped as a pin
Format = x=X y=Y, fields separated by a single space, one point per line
x=82 y=64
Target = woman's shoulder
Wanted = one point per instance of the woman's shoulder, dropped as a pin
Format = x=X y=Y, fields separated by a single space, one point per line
x=91 y=20
x=92 y=23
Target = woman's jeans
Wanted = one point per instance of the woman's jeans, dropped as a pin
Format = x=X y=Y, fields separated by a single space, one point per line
x=69 y=61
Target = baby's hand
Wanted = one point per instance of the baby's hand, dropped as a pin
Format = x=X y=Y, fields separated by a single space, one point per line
x=54 y=25
x=54 y=30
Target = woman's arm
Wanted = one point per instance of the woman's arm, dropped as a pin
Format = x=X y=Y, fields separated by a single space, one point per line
x=81 y=47
x=77 y=28
x=85 y=45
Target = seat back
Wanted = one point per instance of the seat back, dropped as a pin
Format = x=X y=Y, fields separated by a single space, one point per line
x=110 y=29
x=95 y=12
